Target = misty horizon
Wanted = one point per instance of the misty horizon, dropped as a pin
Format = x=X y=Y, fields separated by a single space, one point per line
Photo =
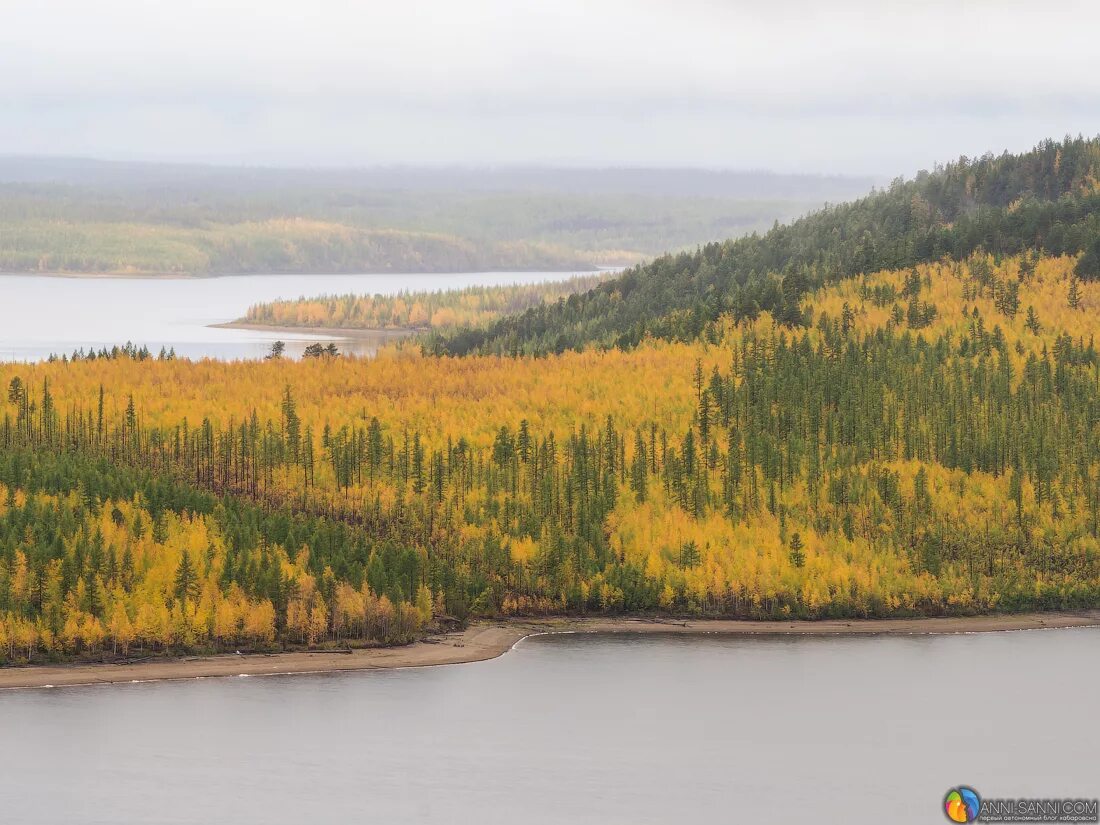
x=77 y=169
x=855 y=88
x=229 y=162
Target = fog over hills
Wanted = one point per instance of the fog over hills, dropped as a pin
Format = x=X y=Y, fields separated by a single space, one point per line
x=685 y=182
x=93 y=216
x=881 y=88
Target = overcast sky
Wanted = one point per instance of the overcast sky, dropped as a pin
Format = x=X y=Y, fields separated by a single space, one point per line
x=867 y=86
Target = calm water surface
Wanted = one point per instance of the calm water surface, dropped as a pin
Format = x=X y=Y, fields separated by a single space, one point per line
x=577 y=729
x=44 y=315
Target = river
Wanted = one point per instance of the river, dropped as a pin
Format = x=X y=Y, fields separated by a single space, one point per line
x=577 y=729
x=45 y=315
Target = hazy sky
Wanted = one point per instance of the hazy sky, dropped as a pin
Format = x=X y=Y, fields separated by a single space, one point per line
x=875 y=86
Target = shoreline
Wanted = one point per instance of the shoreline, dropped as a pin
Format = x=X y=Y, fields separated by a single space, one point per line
x=198 y=276
x=344 y=333
x=488 y=640
x=98 y=276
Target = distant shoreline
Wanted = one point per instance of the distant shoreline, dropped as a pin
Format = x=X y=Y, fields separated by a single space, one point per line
x=201 y=276
x=331 y=332
x=99 y=276
x=487 y=640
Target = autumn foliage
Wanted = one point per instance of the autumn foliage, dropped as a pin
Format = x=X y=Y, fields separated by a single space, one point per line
x=923 y=445
x=416 y=310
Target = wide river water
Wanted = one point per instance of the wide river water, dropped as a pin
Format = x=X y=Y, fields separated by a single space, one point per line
x=43 y=315
x=577 y=729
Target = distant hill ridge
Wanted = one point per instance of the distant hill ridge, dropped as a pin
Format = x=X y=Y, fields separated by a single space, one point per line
x=87 y=216
x=671 y=181
x=1047 y=199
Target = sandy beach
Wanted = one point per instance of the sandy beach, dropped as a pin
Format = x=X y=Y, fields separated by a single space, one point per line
x=487 y=640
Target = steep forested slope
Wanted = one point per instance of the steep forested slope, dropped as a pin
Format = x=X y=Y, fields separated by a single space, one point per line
x=1047 y=199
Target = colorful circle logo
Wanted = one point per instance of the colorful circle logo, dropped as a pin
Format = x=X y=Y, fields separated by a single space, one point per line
x=962 y=804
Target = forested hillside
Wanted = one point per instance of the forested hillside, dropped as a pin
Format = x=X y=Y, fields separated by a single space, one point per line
x=1047 y=200
x=88 y=217
x=290 y=245
x=921 y=439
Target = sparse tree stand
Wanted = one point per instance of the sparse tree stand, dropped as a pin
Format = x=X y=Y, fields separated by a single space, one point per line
x=319 y=350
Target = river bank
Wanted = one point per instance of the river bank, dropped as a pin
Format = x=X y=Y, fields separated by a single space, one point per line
x=487 y=640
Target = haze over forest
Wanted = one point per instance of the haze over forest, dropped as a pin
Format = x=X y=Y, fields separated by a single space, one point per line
x=201 y=139
x=85 y=216
x=855 y=87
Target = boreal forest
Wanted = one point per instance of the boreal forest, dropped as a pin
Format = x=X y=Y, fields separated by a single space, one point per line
x=82 y=216
x=889 y=407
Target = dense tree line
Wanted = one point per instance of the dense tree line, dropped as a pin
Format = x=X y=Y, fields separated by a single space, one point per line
x=407 y=310
x=281 y=245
